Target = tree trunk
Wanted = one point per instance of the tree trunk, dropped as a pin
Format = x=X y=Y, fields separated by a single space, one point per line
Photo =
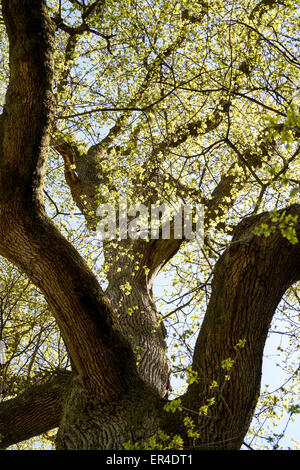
x=89 y=424
x=133 y=266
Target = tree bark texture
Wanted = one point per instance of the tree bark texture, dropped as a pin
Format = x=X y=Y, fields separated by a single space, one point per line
x=249 y=282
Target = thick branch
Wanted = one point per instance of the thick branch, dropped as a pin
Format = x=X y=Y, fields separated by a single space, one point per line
x=36 y=411
x=249 y=282
x=28 y=238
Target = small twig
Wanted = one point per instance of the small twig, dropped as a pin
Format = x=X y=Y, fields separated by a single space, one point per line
x=247 y=445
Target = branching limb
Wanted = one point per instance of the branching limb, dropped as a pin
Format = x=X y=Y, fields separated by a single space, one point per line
x=36 y=411
x=249 y=281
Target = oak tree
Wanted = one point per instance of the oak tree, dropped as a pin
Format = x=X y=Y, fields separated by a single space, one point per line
x=171 y=102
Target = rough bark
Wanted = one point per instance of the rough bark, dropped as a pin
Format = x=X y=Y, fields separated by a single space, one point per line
x=36 y=411
x=249 y=282
x=89 y=424
x=137 y=263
